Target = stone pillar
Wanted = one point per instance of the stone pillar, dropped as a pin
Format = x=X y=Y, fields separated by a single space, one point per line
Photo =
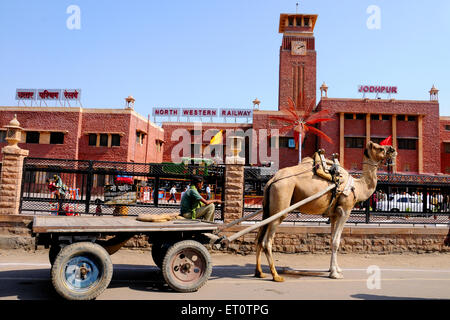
x=394 y=140
x=420 y=143
x=234 y=183
x=12 y=168
x=367 y=128
x=341 y=139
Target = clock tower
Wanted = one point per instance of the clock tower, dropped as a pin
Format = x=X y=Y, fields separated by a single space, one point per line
x=297 y=60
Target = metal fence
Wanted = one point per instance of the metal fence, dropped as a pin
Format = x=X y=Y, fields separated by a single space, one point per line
x=399 y=199
x=113 y=188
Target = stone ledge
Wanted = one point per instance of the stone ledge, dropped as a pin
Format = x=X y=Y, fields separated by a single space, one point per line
x=16 y=242
x=356 y=230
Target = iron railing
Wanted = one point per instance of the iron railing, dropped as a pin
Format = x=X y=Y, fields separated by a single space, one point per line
x=399 y=199
x=87 y=181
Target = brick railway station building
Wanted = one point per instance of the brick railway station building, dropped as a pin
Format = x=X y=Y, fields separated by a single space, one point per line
x=420 y=135
x=86 y=134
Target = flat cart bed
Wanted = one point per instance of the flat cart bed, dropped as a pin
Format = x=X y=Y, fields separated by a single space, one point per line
x=80 y=253
x=80 y=224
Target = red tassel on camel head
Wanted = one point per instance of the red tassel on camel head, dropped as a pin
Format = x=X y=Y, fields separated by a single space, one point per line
x=386 y=142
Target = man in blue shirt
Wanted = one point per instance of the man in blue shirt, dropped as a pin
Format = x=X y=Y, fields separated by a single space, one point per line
x=191 y=203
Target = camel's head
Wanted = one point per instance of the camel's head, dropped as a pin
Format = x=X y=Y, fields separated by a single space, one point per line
x=378 y=153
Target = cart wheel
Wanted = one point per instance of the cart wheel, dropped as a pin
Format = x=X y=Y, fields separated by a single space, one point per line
x=82 y=271
x=159 y=250
x=186 y=266
x=55 y=249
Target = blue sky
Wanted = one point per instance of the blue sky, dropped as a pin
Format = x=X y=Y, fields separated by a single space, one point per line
x=217 y=53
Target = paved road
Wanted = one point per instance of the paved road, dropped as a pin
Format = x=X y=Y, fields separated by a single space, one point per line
x=26 y=276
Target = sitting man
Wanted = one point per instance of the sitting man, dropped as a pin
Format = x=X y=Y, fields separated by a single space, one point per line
x=191 y=203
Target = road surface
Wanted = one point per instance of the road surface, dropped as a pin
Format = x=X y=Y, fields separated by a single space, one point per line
x=26 y=276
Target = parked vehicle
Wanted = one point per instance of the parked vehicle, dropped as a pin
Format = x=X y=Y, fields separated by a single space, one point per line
x=403 y=203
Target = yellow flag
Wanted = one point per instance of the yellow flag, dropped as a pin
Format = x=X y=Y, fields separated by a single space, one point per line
x=217 y=139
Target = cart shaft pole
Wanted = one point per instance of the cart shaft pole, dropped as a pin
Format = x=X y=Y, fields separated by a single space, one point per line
x=280 y=214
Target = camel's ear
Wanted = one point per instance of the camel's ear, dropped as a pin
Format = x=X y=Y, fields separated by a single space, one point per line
x=369 y=145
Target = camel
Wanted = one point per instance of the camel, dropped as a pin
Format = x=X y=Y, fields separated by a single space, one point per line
x=291 y=185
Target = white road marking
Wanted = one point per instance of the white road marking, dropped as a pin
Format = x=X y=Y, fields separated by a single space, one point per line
x=21 y=264
x=24 y=264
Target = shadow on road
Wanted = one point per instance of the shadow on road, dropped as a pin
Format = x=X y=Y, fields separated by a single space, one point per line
x=381 y=297
x=36 y=284
x=31 y=284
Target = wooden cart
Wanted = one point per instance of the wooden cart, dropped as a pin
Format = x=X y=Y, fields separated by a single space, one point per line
x=80 y=249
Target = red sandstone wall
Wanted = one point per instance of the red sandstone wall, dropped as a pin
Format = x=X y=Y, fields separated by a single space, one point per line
x=104 y=123
x=146 y=152
x=444 y=136
x=286 y=75
x=170 y=127
x=380 y=128
x=429 y=110
x=77 y=123
x=57 y=119
x=287 y=157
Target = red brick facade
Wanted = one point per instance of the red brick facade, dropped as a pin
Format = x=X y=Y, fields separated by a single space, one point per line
x=444 y=127
x=405 y=115
x=420 y=136
x=76 y=124
x=414 y=125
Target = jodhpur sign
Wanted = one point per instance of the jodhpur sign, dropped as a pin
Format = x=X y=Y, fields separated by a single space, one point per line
x=377 y=89
x=202 y=112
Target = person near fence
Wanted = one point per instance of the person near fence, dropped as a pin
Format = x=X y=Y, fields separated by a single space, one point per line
x=208 y=192
x=59 y=189
x=173 y=192
x=194 y=206
x=98 y=209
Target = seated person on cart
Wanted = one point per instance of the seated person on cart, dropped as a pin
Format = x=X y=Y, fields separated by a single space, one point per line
x=194 y=206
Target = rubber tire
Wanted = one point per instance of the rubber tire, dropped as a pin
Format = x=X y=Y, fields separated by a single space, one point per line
x=159 y=251
x=173 y=252
x=53 y=252
x=97 y=254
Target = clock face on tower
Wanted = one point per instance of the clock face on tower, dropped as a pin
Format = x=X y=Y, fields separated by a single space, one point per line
x=298 y=48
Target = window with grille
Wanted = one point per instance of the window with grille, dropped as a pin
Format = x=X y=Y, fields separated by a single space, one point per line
x=56 y=138
x=407 y=144
x=286 y=142
x=32 y=137
x=103 y=140
x=115 y=140
x=354 y=143
x=447 y=147
x=92 y=139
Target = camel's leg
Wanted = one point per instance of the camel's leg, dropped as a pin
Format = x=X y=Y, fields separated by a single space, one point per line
x=333 y=228
x=268 y=240
x=259 y=245
x=341 y=218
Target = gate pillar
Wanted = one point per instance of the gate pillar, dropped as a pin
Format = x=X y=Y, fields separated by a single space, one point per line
x=11 y=170
x=234 y=183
